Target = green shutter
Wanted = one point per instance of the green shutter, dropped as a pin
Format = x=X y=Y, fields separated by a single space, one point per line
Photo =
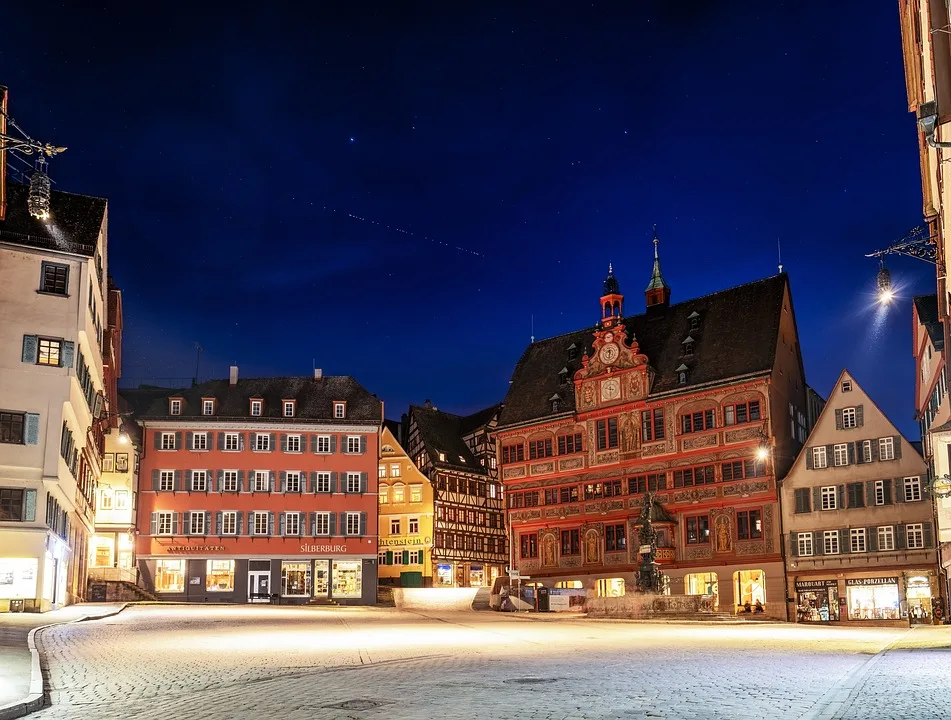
x=31 y=429
x=30 y=349
x=68 y=351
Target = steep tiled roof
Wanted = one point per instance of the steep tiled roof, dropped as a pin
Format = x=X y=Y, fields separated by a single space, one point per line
x=737 y=336
x=927 y=308
x=441 y=432
x=473 y=422
x=74 y=224
x=314 y=398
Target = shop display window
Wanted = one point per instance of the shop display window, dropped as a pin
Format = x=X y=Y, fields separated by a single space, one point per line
x=611 y=587
x=170 y=576
x=347 y=578
x=321 y=577
x=219 y=576
x=817 y=601
x=703 y=584
x=295 y=579
x=873 y=602
x=750 y=591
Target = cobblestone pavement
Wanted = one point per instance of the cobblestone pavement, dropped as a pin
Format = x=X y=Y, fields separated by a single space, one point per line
x=217 y=663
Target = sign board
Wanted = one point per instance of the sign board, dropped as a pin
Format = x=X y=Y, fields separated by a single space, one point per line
x=559 y=602
x=644 y=549
x=194 y=581
x=513 y=574
x=98 y=593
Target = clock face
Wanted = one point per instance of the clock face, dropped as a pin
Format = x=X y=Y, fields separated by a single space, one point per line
x=610 y=389
x=609 y=353
x=608 y=337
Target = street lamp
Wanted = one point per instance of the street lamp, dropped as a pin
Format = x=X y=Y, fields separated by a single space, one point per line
x=919 y=243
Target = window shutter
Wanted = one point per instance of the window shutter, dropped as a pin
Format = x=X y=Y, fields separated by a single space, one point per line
x=870 y=493
x=273 y=481
x=210 y=442
x=241 y=485
x=830 y=455
x=896 y=440
x=900 y=537
x=272 y=445
x=817 y=498
x=363 y=526
x=851 y=453
x=178 y=441
x=158 y=440
x=899 y=492
x=283 y=482
x=810 y=460
x=875 y=456
x=871 y=539
x=239 y=523
x=817 y=547
x=218 y=520
x=406 y=557
x=252 y=440
x=29 y=506
x=240 y=441
x=313 y=443
x=220 y=480
x=283 y=442
x=156 y=479
x=333 y=524
x=313 y=481
x=313 y=523
x=887 y=491
x=186 y=517
x=926 y=534
x=363 y=444
x=190 y=440
x=282 y=523
x=207 y=523
x=31 y=429
x=221 y=441
x=176 y=523
x=859 y=416
x=793 y=544
x=69 y=352
x=178 y=481
x=333 y=481
x=153 y=524
x=363 y=480
x=838 y=419
x=844 y=544
x=333 y=443
x=840 y=497
x=389 y=557
x=30 y=346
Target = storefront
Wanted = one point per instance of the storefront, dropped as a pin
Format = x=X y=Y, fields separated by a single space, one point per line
x=705 y=583
x=463 y=574
x=817 y=600
x=874 y=598
x=918 y=594
x=749 y=590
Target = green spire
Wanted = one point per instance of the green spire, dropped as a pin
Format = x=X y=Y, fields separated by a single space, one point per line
x=657 y=278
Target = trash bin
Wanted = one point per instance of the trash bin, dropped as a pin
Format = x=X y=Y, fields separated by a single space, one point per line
x=16 y=606
x=541 y=595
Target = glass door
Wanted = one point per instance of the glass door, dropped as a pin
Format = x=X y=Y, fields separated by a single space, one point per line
x=321 y=577
x=259 y=586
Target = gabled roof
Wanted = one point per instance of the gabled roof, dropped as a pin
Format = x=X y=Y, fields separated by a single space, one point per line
x=470 y=423
x=441 y=433
x=74 y=224
x=314 y=398
x=737 y=336
x=926 y=306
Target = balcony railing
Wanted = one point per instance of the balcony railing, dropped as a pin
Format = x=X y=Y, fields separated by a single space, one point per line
x=103 y=574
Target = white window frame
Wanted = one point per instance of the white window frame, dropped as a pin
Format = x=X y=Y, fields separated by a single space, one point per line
x=866 y=451
x=381 y=472
x=256 y=516
x=295 y=477
x=399 y=492
x=262 y=442
x=202 y=476
x=323 y=444
x=323 y=482
x=166 y=480
x=915 y=536
x=340 y=410
x=296 y=440
x=804 y=544
x=196 y=523
x=886 y=448
x=353 y=482
x=880 y=492
x=200 y=441
x=396 y=526
x=207 y=407
x=168 y=441
x=257 y=407
x=229 y=517
x=165 y=523
x=886 y=538
x=819 y=459
x=229 y=481
x=829 y=497
x=288 y=518
x=395 y=470
x=288 y=408
x=857 y=542
x=415 y=493
x=846 y=386
x=353 y=444
x=353 y=523
x=174 y=407
x=412 y=526
x=232 y=442
x=911 y=487
x=849 y=418
x=830 y=542
x=322 y=525
x=383 y=492
x=840 y=452
x=260 y=486
x=414 y=557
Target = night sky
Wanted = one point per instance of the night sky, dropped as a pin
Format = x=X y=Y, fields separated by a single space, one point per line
x=495 y=161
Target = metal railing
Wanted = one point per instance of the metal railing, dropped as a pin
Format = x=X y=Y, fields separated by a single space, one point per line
x=115 y=574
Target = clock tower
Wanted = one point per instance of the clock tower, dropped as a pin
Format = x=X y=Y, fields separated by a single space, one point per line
x=612 y=301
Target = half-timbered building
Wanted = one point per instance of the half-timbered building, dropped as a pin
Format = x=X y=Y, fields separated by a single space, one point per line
x=702 y=403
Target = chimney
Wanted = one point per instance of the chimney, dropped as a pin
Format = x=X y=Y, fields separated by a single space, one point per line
x=234 y=375
x=428 y=405
x=3 y=155
x=318 y=373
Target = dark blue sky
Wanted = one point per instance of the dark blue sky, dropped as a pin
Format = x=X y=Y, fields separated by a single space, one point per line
x=233 y=147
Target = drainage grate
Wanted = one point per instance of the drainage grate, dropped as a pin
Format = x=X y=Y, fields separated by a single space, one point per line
x=530 y=680
x=358 y=704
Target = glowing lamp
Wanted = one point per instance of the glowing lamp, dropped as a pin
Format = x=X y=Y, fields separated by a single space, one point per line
x=38 y=202
x=762 y=453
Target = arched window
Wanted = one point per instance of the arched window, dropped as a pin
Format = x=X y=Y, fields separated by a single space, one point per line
x=399 y=493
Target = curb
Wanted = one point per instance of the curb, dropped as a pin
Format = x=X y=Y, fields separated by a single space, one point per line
x=36 y=698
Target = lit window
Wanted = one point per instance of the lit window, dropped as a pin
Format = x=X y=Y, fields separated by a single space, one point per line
x=295 y=579
x=395 y=470
x=416 y=493
x=49 y=352
x=170 y=576
x=399 y=493
x=381 y=472
x=219 y=576
x=384 y=494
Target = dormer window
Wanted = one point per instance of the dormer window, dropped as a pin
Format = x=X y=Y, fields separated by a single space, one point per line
x=207 y=407
x=682 y=374
x=694 y=319
x=572 y=351
x=442 y=457
x=340 y=410
x=288 y=408
x=461 y=459
x=688 y=345
x=563 y=375
x=174 y=407
x=257 y=407
x=555 y=401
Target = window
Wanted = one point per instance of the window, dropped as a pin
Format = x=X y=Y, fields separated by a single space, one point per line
x=229 y=481
x=615 y=538
x=914 y=536
x=848 y=418
x=413 y=523
x=540 y=449
x=259 y=523
x=698 y=529
x=866 y=451
x=886 y=449
x=855 y=494
x=295 y=579
x=570 y=542
x=200 y=441
x=219 y=576
x=886 y=538
x=54 y=278
x=262 y=441
x=739 y=469
x=415 y=493
x=749 y=525
x=883 y=492
x=353 y=523
x=395 y=470
x=607 y=433
x=288 y=408
x=322 y=523
x=323 y=443
x=353 y=444
x=415 y=557
x=166 y=523
x=529 y=543
x=912 y=489
x=340 y=410
x=384 y=494
x=207 y=407
x=122 y=499
x=49 y=352
x=643 y=483
x=568 y=444
x=830 y=542
x=292 y=482
x=695 y=422
x=741 y=413
x=293 y=443
x=168 y=441
x=819 y=459
x=829 y=499
x=229 y=523
x=262 y=481
x=846 y=386
x=353 y=482
x=688 y=477
x=857 y=540
x=803 y=500
x=804 y=543
x=652 y=425
x=381 y=472
x=166 y=480
x=11 y=428
x=513 y=453
x=395 y=526
x=11 y=504
x=196 y=523
x=323 y=482
x=292 y=523
x=231 y=441
x=170 y=576
x=174 y=407
x=199 y=480
x=840 y=454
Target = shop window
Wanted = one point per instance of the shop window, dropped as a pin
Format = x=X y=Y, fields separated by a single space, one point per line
x=611 y=587
x=102 y=547
x=702 y=584
x=569 y=584
x=347 y=579
x=873 y=598
x=918 y=592
x=295 y=579
x=18 y=577
x=170 y=576
x=750 y=590
x=817 y=600
x=321 y=577
x=219 y=576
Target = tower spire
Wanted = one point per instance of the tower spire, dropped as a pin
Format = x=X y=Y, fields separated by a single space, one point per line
x=612 y=300
x=658 y=291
